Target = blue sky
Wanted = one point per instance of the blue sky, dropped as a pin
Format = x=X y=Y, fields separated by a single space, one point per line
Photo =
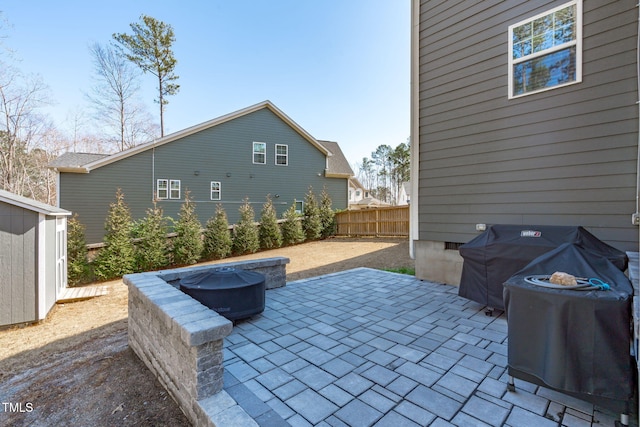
x=339 y=68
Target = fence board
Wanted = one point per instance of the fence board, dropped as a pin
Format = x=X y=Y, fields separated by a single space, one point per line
x=377 y=222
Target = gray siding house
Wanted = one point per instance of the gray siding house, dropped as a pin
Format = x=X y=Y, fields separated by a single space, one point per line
x=250 y=153
x=33 y=258
x=523 y=112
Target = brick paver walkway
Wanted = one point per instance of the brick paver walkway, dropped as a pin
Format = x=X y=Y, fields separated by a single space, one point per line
x=366 y=347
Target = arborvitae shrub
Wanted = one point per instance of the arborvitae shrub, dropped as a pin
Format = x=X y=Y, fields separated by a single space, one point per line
x=327 y=215
x=291 y=227
x=152 y=248
x=187 y=245
x=311 y=223
x=245 y=236
x=269 y=232
x=117 y=258
x=217 y=237
x=77 y=254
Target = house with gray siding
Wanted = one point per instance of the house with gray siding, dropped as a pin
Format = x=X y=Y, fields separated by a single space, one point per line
x=250 y=153
x=33 y=258
x=523 y=112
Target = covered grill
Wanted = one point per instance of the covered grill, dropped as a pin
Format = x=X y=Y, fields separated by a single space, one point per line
x=235 y=294
x=499 y=252
x=573 y=341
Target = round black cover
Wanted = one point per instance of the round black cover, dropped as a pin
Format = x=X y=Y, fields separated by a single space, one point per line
x=222 y=278
x=573 y=341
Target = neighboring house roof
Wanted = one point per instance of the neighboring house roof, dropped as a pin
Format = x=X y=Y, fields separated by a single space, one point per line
x=371 y=201
x=337 y=164
x=355 y=183
x=74 y=162
x=30 y=204
x=105 y=160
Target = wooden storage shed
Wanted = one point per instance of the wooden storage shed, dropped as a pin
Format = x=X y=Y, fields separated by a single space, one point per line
x=33 y=258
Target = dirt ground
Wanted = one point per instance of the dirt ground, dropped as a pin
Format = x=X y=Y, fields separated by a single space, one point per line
x=76 y=368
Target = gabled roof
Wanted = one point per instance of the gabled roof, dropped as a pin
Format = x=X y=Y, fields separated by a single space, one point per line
x=337 y=164
x=105 y=160
x=32 y=205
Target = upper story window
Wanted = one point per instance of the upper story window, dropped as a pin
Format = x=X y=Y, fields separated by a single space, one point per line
x=282 y=154
x=216 y=191
x=168 y=189
x=545 y=51
x=260 y=153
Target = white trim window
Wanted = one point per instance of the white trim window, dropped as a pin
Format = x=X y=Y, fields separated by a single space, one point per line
x=162 y=189
x=260 y=153
x=545 y=51
x=216 y=190
x=174 y=189
x=282 y=154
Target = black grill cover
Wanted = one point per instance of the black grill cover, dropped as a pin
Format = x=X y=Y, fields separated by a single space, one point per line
x=576 y=342
x=500 y=251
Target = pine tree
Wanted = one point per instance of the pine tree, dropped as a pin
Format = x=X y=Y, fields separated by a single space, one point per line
x=187 y=245
x=152 y=250
x=327 y=216
x=77 y=254
x=117 y=258
x=217 y=237
x=245 y=237
x=269 y=233
x=311 y=223
x=291 y=227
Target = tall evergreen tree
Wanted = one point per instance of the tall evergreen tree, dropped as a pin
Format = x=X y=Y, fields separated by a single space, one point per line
x=77 y=254
x=152 y=250
x=291 y=227
x=327 y=216
x=311 y=223
x=117 y=258
x=269 y=232
x=245 y=236
x=217 y=237
x=187 y=245
x=149 y=47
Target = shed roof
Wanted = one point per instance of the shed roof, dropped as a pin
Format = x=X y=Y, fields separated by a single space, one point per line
x=68 y=164
x=30 y=204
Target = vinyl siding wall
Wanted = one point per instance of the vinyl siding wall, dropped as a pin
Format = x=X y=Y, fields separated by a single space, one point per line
x=225 y=149
x=562 y=157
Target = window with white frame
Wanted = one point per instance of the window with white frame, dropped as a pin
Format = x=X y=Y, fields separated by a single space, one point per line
x=282 y=154
x=162 y=189
x=174 y=189
x=216 y=192
x=545 y=51
x=299 y=206
x=260 y=153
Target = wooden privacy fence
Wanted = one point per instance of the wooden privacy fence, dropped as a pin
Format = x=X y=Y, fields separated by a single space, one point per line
x=391 y=221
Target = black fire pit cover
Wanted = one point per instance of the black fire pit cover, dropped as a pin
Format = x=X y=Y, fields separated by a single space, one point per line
x=573 y=341
x=235 y=294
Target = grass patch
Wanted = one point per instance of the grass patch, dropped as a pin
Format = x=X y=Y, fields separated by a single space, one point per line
x=402 y=270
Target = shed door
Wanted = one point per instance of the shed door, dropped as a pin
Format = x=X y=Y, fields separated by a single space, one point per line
x=61 y=254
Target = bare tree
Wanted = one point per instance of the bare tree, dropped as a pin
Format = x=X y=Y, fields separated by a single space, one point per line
x=114 y=98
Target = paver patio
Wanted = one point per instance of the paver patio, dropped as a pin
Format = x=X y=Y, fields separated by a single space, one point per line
x=366 y=347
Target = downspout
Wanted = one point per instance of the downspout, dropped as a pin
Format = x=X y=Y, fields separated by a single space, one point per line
x=415 y=127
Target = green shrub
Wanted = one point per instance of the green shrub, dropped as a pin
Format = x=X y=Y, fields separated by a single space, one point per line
x=117 y=258
x=187 y=245
x=245 y=236
x=291 y=227
x=77 y=254
x=327 y=215
x=152 y=250
x=217 y=237
x=311 y=223
x=269 y=232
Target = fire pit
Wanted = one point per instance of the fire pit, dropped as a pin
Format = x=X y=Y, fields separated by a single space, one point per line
x=234 y=294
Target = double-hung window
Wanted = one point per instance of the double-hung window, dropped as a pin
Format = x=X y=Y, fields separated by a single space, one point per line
x=174 y=189
x=216 y=191
x=260 y=153
x=545 y=51
x=162 y=189
x=282 y=154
